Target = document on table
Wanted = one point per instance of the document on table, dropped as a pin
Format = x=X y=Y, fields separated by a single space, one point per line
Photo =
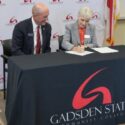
x=105 y=50
x=79 y=54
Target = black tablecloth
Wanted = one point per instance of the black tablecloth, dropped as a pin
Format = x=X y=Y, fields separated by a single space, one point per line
x=64 y=89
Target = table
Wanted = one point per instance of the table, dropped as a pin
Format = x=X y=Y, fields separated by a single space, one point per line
x=64 y=89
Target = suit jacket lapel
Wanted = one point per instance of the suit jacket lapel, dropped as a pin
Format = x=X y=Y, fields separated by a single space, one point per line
x=30 y=35
x=43 y=29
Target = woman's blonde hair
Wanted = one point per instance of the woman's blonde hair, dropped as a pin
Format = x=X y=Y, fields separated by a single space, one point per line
x=85 y=12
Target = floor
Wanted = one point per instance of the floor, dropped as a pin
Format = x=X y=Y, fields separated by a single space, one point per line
x=2 y=109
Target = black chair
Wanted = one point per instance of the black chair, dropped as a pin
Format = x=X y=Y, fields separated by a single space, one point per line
x=6 y=53
x=60 y=39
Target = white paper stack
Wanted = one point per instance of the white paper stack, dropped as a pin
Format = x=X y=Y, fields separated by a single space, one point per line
x=79 y=54
x=105 y=50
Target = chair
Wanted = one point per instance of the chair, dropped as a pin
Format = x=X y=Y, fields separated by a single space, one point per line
x=60 y=39
x=6 y=53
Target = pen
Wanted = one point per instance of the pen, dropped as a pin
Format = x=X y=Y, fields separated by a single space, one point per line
x=78 y=44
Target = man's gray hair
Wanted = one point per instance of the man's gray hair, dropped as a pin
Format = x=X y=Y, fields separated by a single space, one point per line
x=85 y=12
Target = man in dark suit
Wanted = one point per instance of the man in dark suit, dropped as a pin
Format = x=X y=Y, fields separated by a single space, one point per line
x=33 y=33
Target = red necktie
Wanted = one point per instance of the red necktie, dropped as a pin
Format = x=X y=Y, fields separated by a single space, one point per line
x=38 y=43
x=82 y=33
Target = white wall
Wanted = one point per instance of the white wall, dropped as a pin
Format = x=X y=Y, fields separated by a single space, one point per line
x=122 y=9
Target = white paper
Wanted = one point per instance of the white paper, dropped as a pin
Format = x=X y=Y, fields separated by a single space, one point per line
x=79 y=54
x=105 y=50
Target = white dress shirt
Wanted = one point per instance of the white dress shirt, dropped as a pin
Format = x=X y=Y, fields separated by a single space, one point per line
x=35 y=34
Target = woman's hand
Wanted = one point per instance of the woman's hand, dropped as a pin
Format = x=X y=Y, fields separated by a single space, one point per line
x=79 y=49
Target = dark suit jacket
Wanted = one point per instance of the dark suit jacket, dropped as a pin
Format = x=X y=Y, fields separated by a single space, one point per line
x=23 y=38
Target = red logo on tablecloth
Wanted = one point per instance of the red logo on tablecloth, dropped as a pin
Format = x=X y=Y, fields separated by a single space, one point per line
x=80 y=102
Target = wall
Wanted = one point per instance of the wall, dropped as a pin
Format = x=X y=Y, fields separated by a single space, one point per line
x=120 y=29
x=120 y=33
x=122 y=9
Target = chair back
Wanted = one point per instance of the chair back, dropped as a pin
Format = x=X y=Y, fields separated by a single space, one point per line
x=7 y=47
x=6 y=53
x=60 y=39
